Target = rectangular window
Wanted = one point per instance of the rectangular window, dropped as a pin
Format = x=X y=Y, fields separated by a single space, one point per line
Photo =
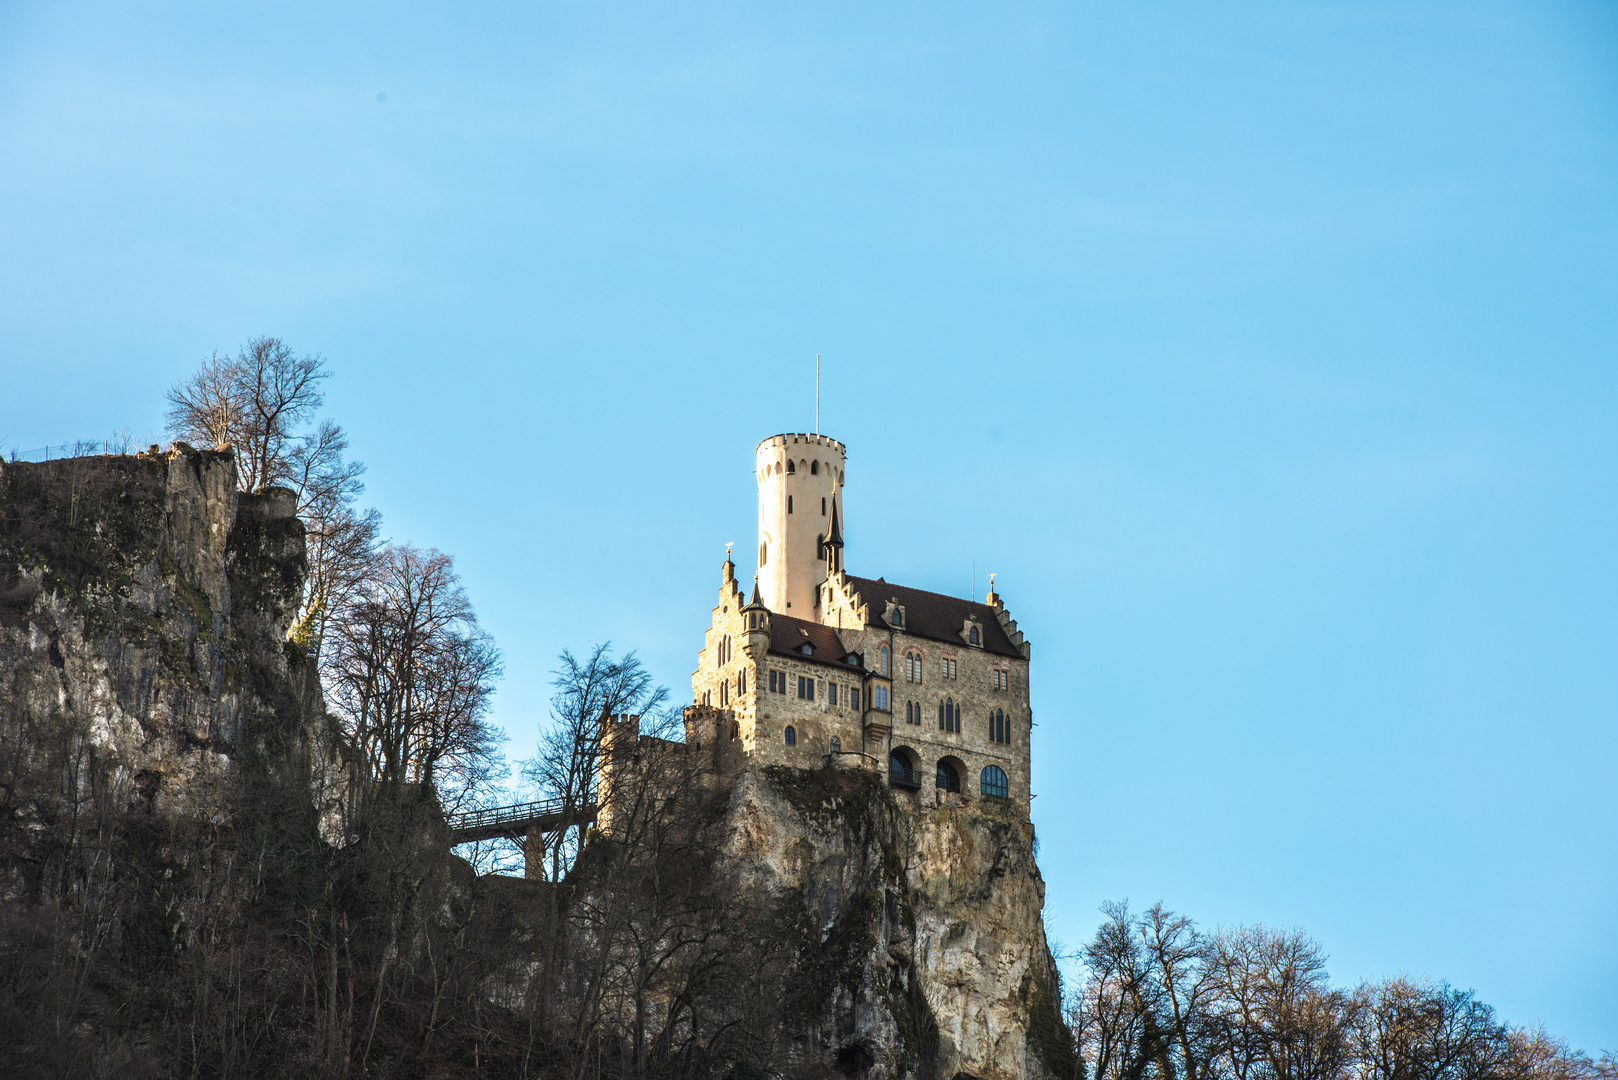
x=879 y=697
x=806 y=688
x=1002 y=679
x=778 y=682
x=947 y=667
x=853 y=697
x=831 y=693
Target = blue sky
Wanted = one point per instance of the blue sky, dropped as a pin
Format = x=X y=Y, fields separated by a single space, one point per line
x=1265 y=351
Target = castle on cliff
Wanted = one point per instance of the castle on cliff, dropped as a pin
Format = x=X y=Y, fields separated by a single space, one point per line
x=819 y=667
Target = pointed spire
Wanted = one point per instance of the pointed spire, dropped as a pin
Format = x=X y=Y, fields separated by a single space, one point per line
x=757 y=602
x=834 y=542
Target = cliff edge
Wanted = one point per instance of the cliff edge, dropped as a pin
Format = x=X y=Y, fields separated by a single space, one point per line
x=144 y=604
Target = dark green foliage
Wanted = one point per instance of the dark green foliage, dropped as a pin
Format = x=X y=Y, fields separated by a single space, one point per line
x=1049 y=1038
x=83 y=529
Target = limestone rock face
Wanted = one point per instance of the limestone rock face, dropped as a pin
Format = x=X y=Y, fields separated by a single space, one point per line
x=143 y=607
x=929 y=922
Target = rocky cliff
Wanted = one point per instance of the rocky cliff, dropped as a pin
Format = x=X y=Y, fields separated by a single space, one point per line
x=143 y=609
x=928 y=943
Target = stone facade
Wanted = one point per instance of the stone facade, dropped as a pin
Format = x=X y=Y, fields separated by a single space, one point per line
x=930 y=689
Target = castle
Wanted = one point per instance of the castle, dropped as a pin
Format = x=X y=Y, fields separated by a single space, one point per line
x=820 y=667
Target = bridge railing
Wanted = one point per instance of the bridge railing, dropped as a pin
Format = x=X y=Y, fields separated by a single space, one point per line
x=501 y=815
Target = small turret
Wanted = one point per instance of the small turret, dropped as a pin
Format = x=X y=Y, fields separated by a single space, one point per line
x=755 y=626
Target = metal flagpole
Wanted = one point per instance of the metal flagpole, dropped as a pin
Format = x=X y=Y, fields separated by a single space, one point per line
x=817 y=393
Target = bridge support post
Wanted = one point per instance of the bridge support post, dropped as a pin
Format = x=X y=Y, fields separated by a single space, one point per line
x=533 y=853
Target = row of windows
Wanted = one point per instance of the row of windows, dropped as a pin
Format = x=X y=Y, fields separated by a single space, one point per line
x=914 y=665
x=725 y=691
x=849 y=695
x=725 y=650
x=992 y=781
x=949 y=719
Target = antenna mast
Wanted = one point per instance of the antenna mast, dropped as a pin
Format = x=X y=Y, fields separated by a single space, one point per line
x=817 y=393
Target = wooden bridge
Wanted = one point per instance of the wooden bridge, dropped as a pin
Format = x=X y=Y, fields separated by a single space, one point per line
x=522 y=822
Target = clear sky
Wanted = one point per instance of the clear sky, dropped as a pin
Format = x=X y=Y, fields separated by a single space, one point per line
x=1265 y=350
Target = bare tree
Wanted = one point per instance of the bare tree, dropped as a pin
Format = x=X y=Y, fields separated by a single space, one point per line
x=1535 y=1054
x=254 y=401
x=342 y=540
x=1176 y=951
x=1114 y=1015
x=257 y=402
x=412 y=672
x=587 y=692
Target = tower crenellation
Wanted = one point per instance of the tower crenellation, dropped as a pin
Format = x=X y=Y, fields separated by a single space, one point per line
x=800 y=478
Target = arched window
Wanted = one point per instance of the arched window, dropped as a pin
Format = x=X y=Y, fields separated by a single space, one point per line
x=883 y=669
x=792 y=468
x=948 y=778
x=999 y=727
x=836 y=745
x=741 y=682
x=814 y=468
x=724 y=693
x=791 y=735
x=900 y=774
x=972 y=635
x=913 y=664
x=789 y=504
x=949 y=717
x=735 y=730
x=992 y=782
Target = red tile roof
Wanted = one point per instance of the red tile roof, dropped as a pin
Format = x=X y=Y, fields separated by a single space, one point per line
x=788 y=637
x=934 y=615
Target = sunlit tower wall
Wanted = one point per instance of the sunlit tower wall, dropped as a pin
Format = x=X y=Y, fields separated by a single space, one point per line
x=799 y=476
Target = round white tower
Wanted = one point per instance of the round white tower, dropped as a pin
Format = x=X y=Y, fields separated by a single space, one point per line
x=799 y=478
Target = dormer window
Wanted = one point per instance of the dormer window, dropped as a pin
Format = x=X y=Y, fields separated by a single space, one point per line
x=972 y=635
x=852 y=659
x=807 y=649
